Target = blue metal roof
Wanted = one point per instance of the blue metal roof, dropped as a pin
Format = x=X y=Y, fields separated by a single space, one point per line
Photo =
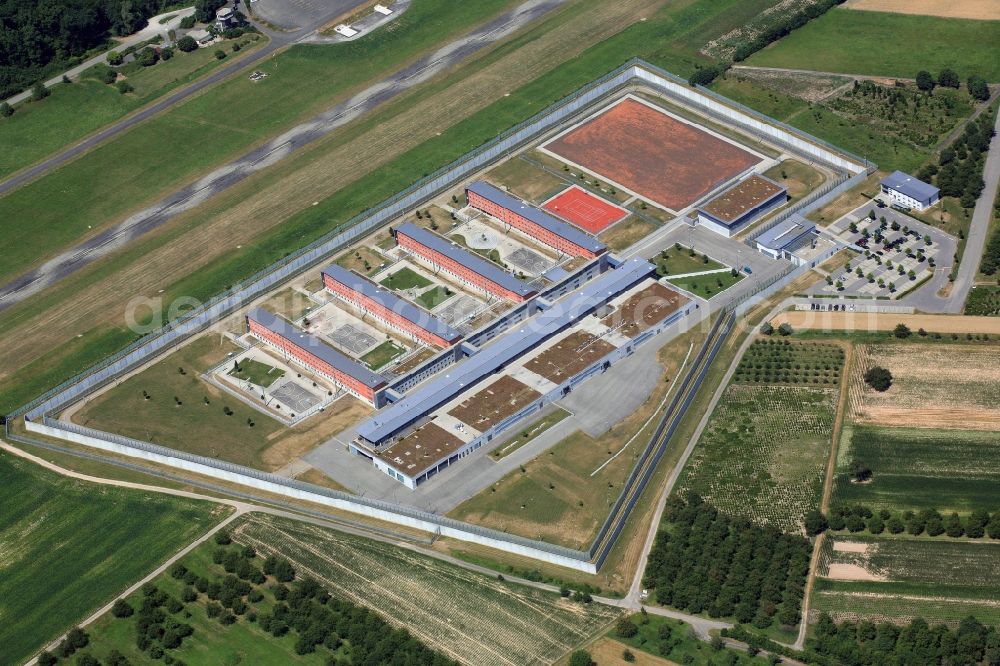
x=317 y=347
x=472 y=261
x=539 y=217
x=530 y=333
x=785 y=233
x=388 y=299
x=906 y=184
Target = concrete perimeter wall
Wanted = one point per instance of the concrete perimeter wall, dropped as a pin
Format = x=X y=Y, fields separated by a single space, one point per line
x=426 y=522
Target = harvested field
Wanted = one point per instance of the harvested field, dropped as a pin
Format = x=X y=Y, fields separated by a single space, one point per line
x=470 y=617
x=494 y=403
x=652 y=154
x=985 y=10
x=627 y=233
x=644 y=310
x=881 y=321
x=947 y=386
x=569 y=356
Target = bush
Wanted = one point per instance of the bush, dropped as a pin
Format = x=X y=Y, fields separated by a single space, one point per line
x=166 y=53
x=705 y=75
x=187 y=22
x=628 y=657
x=6 y=110
x=124 y=87
x=222 y=538
x=925 y=81
x=626 y=628
x=147 y=57
x=219 y=54
x=114 y=58
x=187 y=44
x=580 y=658
x=766 y=328
x=785 y=329
x=978 y=88
x=902 y=331
x=39 y=92
x=815 y=523
x=109 y=75
x=878 y=378
x=121 y=608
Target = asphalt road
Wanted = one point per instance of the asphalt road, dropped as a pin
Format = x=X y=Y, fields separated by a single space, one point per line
x=263 y=156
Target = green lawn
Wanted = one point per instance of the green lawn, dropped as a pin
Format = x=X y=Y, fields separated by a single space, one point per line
x=887 y=44
x=405 y=278
x=69 y=547
x=73 y=111
x=672 y=639
x=708 y=286
x=432 y=298
x=198 y=133
x=680 y=260
x=383 y=354
x=258 y=373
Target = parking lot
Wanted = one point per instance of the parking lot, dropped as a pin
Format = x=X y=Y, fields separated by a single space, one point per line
x=895 y=254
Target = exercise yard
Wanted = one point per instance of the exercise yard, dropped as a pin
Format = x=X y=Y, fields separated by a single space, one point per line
x=652 y=154
x=587 y=211
x=255 y=372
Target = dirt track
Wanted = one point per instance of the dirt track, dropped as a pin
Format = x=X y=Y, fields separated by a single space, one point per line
x=871 y=321
x=259 y=213
x=986 y=10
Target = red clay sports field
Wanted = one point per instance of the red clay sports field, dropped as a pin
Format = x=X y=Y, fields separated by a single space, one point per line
x=645 y=151
x=585 y=210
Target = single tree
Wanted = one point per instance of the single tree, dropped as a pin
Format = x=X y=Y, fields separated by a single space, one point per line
x=901 y=331
x=6 y=110
x=39 y=92
x=925 y=81
x=187 y=44
x=580 y=658
x=978 y=88
x=860 y=471
x=948 y=78
x=815 y=522
x=114 y=58
x=785 y=329
x=878 y=378
x=766 y=328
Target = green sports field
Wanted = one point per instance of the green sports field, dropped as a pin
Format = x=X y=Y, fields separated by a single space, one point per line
x=69 y=546
x=887 y=44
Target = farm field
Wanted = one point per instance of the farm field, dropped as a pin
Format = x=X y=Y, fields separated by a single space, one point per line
x=946 y=470
x=73 y=111
x=68 y=547
x=970 y=9
x=843 y=40
x=561 y=497
x=944 y=386
x=266 y=445
x=764 y=453
x=468 y=616
x=898 y=579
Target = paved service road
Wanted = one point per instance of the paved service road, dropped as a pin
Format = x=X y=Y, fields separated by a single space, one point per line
x=271 y=152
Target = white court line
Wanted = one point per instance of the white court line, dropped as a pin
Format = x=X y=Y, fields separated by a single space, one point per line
x=655 y=412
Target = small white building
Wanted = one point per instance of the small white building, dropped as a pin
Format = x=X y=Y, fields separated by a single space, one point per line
x=783 y=239
x=905 y=191
x=203 y=37
x=225 y=18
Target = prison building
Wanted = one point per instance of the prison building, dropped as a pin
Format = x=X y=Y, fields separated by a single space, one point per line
x=377 y=435
x=387 y=307
x=466 y=267
x=785 y=238
x=906 y=191
x=311 y=352
x=534 y=222
x=741 y=204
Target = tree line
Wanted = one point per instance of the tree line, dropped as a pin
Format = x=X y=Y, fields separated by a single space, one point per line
x=858 y=518
x=959 y=168
x=949 y=78
x=707 y=561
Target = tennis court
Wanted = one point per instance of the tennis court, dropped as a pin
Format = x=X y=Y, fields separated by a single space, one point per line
x=591 y=213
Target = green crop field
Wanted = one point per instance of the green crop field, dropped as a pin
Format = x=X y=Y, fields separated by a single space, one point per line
x=382 y=354
x=779 y=361
x=405 y=278
x=69 y=547
x=73 y=111
x=941 y=581
x=887 y=44
x=468 y=616
x=763 y=453
x=947 y=470
x=258 y=373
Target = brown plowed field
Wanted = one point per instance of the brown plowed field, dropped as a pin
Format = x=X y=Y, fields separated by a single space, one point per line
x=667 y=161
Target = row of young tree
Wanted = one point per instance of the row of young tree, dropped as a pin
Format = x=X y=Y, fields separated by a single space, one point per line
x=706 y=561
x=976 y=525
x=959 y=169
